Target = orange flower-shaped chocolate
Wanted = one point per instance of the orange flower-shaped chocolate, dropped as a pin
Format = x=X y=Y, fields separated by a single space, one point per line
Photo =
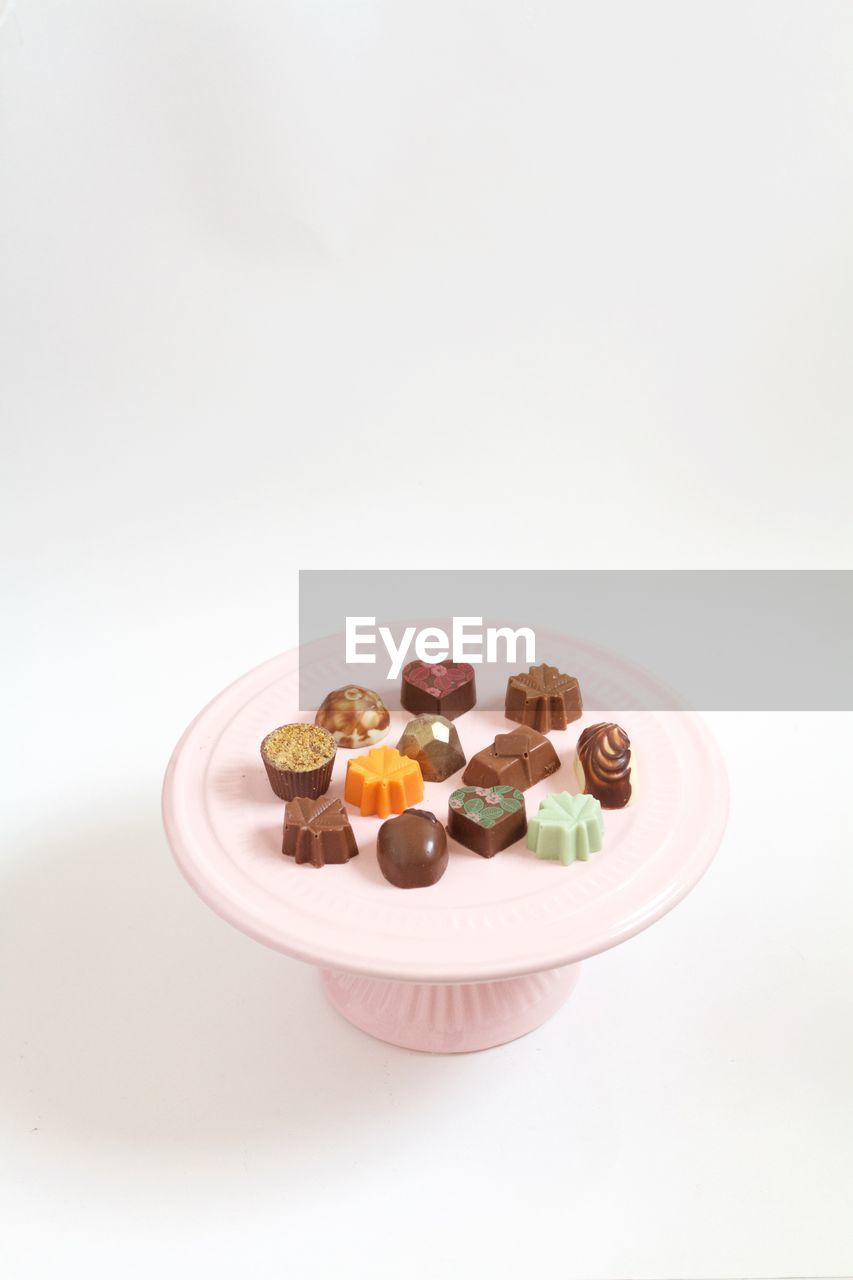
x=383 y=782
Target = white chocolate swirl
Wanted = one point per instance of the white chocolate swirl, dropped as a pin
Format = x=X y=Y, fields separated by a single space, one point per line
x=604 y=753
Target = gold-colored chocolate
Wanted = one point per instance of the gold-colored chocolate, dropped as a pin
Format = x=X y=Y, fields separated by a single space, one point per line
x=298 y=747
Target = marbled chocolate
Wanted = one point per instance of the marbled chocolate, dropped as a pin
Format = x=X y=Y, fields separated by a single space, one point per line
x=604 y=757
x=434 y=743
x=354 y=716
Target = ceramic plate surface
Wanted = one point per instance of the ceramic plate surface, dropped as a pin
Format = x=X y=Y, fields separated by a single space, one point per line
x=486 y=918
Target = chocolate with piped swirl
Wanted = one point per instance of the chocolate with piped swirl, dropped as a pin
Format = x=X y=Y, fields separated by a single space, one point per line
x=604 y=755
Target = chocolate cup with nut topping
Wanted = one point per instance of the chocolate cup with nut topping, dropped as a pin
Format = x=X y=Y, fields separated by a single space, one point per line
x=298 y=759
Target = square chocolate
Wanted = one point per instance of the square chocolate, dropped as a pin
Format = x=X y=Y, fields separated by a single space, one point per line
x=520 y=759
x=487 y=819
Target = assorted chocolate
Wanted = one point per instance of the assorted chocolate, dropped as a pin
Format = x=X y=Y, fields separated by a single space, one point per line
x=318 y=831
x=383 y=782
x=354 y=716
x=520 y=758
x=485 y=814
x=412 y=849
x=438 y=688
x=298 y=759
x=543 y=698
x=486 y=819
x=434 y=742
x=604 y=764
x=566 y=828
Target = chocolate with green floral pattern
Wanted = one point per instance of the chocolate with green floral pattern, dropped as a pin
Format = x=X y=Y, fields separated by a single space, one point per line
x=487 y=819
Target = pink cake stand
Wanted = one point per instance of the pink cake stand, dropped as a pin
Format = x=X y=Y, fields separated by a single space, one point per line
x=492 y=950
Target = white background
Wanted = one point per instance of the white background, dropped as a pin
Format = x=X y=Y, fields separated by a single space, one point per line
x=325 y=284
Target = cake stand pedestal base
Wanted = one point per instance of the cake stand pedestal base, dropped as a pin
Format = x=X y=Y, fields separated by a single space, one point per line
x=449 y=1017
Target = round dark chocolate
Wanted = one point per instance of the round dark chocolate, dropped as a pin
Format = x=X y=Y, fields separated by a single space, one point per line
x=412 y=849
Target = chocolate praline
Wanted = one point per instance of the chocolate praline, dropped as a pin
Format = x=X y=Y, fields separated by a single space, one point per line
x=412 y=849
x=383 y=782
x=354 y=716
x=543 y=698
x=434 y=742
x=604 y=760
x=318 y=831
x=298 y=759
x=438 y=688
x=520 y=758
x=486 y=819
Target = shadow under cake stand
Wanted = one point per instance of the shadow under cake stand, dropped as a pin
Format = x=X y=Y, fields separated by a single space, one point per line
x=494 y=949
